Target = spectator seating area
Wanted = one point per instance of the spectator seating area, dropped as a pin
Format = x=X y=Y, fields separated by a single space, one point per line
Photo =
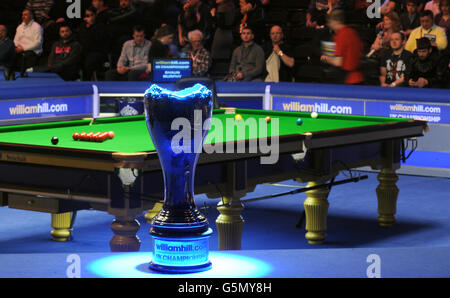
x=292 y=15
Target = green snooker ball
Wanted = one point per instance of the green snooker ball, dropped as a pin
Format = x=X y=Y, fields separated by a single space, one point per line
x=299 y=121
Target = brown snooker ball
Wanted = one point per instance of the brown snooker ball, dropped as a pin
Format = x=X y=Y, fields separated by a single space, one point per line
x=268 y=119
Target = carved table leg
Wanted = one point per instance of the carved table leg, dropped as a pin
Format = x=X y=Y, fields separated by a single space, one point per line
x=387 y=193
x=61 y=223
x=316 y=210
x=230 y=224
x=125 y=239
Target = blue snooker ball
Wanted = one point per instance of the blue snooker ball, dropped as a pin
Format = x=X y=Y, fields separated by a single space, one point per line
x=299 y=121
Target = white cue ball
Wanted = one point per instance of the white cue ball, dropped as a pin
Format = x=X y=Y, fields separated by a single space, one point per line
x=314 y=115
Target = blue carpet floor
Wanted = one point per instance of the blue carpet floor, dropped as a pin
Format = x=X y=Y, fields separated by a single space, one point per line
x=423 y=220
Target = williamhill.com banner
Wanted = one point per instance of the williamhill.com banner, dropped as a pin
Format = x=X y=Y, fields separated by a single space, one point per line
x=433 y=113
x=25 y=109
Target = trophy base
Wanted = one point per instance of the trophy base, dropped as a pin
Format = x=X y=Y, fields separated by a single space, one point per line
x=180 y=269
x=181 y=254
x=175 y=222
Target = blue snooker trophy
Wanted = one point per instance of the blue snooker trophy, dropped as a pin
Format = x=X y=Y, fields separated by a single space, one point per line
x=180 y=232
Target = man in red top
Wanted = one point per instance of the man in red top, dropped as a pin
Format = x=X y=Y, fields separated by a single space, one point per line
x=348 y=49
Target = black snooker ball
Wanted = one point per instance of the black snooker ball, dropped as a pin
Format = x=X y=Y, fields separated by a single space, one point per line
x=55 y=140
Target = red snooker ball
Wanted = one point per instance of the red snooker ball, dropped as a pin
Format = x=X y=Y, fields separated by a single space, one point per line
x=89 y=136
x=95 y=137
x=76 y=136
x=111 y=134
x=103 y=136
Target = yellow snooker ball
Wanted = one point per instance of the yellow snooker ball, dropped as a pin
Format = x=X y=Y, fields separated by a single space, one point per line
x=268 y=119
x=238 y=117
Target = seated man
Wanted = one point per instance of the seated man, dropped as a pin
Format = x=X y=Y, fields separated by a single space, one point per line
x=201 y=59
x=395 y=63
x=247 y=62
x=133 y=59
x=65 y=55
x=347 y=55
x=426 y=69
x=28 y=41
x=429 y=30
x=278 y=55
x=7 y=53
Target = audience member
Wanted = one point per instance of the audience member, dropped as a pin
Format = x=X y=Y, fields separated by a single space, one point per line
x=445 y=62
x=160 y=48
x=395 y=62
x=279 y=57
x=391 y=24
x=421 y=5
x=7 y=48
x=410 y=18
x=223 y=16
x=252 y=16
x=65 y=56
x=443 y=18
x=426 y=70
x=41 y=11
x=195 y=15
x=121 y=22
x=247 y=61
x=347 y=55
x=28 y=41
x=433 y=5
x=201 y=58
x=429 y=30
x=133 y=59
x=317 y=12
x=94 y=39
x=59 y=13
x=160 y=43
x=102 y=11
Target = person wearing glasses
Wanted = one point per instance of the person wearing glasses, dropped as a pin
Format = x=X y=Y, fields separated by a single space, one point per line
x=201 y=58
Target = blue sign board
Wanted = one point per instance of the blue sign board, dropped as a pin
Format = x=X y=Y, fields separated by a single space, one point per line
x=319 y=105
x=24 y=110
x=170 y=70
x=433 y=113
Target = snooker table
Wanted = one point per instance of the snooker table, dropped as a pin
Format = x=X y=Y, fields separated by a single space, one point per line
x=123 y=176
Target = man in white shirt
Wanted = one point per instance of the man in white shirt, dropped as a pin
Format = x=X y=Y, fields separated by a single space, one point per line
x=28 y=41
